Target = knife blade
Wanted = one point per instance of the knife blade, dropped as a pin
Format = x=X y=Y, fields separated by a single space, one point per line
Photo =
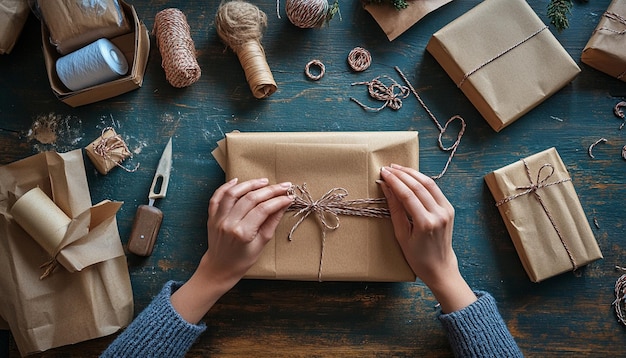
x=148 y=218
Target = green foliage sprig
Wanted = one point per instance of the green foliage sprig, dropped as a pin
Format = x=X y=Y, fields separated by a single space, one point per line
x=558 y=10
x=398 y=4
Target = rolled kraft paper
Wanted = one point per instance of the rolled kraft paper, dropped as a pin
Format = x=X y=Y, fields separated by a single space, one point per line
x=97 y=63
x=41 y=218
x=258 y=73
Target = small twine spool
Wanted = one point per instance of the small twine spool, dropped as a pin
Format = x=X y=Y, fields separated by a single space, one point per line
x=359 y=59
x=240 y=25
x=308 y=14
x=177 y=48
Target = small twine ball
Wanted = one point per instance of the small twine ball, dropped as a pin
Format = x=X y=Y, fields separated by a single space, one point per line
x=307 y=14
x=177 y=48
x=359 y=59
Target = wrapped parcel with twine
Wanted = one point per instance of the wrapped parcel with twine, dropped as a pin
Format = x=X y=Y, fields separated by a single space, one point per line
x=337 y=228
x=240 y=25
x=543 y=215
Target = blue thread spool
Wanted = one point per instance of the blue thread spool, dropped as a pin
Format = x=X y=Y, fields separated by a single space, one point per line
x=97 y=63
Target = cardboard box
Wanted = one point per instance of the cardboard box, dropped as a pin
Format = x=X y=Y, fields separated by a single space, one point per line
x=504 y=59
x=606 y=49
x=134 y=45
x=360 y=249
x=548 y=225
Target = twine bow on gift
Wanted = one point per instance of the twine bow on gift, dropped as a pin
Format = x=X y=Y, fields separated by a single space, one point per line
x=540 y=183
x=328 y=208
x=106 y=146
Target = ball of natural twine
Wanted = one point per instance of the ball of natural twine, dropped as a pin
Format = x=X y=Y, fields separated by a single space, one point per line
x=307 y=13
x=176 y=47
x=240 y=25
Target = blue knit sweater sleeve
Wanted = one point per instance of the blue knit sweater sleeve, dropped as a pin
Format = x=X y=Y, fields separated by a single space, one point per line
x=478 y=330
x=158 y=331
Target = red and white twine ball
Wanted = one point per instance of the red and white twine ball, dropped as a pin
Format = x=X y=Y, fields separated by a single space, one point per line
x=307 y=14
x=359 y=59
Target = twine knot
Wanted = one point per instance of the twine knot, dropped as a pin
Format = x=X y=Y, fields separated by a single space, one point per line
x=328 y=208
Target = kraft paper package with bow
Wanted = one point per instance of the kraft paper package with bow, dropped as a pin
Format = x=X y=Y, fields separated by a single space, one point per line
x=360 y=249
x=395 y=22
x=88 y=294
x=606 y=49
x=503 y=58
x=543 y=215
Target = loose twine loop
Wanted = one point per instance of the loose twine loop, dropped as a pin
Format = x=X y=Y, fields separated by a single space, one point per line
x=619 y=113
x=392 y=95
x=619 y=304
x=442 y=129
x=359 y=59
x=540 y=183
x=177 y=48
x=327 y=210
x=105 y=146
x=318 y=64
x=240 y=25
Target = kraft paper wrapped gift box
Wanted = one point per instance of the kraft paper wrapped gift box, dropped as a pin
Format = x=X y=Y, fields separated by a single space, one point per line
x=543 y=215
x=504 y=59
x=361 y=249
x=606 y=49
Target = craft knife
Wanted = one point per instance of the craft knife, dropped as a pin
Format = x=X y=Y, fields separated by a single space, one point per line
x=148 y=217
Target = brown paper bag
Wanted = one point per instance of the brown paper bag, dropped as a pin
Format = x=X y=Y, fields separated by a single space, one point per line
x=66 y=307
x=75 y=23
x=361 y=249
x=606 y=49
x=13 y=16
x=548 y=226
x=395 y=22
x=504 y=59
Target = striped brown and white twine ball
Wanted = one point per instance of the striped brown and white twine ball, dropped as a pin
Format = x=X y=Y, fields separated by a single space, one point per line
x=359 y=59
x=178 y=54
x=307 y=14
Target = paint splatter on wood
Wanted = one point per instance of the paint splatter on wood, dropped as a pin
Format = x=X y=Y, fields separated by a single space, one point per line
x=56 y=132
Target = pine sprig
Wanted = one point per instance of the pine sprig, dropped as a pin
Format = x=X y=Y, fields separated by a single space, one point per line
x=558 y=11
x=398 y=4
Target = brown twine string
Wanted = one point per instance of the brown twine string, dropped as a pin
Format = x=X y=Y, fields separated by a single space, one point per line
x=499 y=55
x=624 y=152
x=327 y=210
x=177 y=48
x=601 y=140
x=619 y=113
x=359 y=59
x=615 y=17
x=317 y=63
x=619 y=304
x=240 y=25
x=533 y=188
x=105 y=146
x=442 y=129
x=379 y=91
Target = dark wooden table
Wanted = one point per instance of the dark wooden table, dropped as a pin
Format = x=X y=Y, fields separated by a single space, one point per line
x=568 y=315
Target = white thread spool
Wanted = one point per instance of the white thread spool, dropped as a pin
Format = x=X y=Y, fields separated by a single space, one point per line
x=97 y=63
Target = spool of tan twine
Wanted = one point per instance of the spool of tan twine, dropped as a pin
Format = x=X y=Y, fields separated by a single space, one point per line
x=309 y=14
x=240 y=25
x=176 y=47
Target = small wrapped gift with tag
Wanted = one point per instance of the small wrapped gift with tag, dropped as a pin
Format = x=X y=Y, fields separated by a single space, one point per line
x=606 y=49
x=543 y=215
x=339 y=170
x=504 y=59
x=108 y=151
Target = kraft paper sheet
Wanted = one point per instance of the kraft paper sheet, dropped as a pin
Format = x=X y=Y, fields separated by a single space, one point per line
x=513 y=84
x=13 y=16
x=361 y=249
x=606 y=49
x=89 y=295
x=395 y=22
x=538 y=245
